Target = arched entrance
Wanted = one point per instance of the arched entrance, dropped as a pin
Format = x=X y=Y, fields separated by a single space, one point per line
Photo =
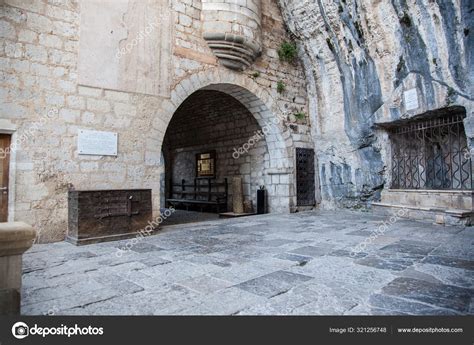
x=211 y=139
x=270 y=158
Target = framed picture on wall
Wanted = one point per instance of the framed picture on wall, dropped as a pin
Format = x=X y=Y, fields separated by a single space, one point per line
x=206 y=164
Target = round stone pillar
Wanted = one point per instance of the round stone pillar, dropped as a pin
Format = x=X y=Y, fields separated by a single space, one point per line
x=15 y=239
x=232 y=29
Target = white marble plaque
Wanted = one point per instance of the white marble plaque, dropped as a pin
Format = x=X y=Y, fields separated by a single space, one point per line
x=411 y=99
x=96 y=143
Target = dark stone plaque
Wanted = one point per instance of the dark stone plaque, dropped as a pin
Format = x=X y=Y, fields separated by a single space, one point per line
x=107 y=215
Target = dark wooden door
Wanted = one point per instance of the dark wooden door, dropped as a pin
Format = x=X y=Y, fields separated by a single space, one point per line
x=4 y=170
x=305 y=190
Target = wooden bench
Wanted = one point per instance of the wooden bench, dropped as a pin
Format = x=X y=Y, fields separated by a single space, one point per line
x=202 y=192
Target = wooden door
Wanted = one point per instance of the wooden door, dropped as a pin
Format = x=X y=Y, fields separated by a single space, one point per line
x=5 y=140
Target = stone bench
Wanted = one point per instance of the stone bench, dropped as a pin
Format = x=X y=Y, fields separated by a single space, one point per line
x=448 y=207
x=15 y=239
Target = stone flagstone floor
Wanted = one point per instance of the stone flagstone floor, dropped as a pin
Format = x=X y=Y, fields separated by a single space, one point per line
x=295 y=264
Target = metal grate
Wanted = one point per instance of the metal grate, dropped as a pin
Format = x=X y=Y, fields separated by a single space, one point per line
x=305 y=193
x=431 y=154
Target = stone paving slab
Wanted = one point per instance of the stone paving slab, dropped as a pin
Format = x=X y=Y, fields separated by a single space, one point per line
x=273 y=284
x=440 y=295
x=307 y=263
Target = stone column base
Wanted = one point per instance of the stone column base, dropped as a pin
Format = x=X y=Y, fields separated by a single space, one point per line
x=15 y=239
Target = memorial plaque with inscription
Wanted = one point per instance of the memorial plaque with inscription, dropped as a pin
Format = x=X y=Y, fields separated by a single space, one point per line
x=411 y=99
x=96 y=143
x=106 y=215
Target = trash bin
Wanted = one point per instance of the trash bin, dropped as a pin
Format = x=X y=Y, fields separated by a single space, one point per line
x=261 y=200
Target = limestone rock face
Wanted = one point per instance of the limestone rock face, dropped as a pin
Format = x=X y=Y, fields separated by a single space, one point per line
x=360 y=56
x=232 y=28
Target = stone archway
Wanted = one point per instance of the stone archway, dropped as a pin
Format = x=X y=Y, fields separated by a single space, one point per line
x=281 y=191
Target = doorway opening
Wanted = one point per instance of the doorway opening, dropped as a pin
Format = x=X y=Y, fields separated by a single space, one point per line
x=5 y=142
x=305 y=175
x=212 y=139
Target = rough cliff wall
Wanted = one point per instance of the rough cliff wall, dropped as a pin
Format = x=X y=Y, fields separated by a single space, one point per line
x=360 y=56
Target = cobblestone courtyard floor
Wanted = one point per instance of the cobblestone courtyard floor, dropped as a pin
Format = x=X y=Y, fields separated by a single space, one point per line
x=271 y=264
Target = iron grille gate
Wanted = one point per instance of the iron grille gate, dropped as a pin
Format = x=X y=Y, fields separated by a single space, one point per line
x=305 y=193
x=431 y=154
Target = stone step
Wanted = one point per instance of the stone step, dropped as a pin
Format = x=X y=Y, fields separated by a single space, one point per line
x=443 y=199
x=430 y=214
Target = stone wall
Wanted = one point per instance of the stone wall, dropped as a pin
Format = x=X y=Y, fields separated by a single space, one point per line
x=360 y=57
x=44 y=105
x=211 y=120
